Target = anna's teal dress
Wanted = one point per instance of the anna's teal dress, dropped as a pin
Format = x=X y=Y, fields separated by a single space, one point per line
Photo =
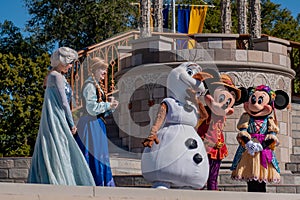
x=57 y=158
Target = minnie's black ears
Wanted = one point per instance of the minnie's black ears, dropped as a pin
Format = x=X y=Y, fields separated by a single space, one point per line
x=244 y=96
x=281 y=99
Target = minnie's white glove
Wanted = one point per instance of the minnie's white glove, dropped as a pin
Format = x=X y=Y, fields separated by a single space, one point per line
x=253 y=147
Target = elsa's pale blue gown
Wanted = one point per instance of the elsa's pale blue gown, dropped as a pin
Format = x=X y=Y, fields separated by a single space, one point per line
x=57 y=158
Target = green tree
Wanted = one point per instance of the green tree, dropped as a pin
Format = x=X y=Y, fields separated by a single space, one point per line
x=21 y=99
x=12 y=41
x=78 y=23
x=23 y=67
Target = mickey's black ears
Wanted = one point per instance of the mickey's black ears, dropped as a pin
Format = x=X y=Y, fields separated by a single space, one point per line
x=244 y=96
x=281 y=100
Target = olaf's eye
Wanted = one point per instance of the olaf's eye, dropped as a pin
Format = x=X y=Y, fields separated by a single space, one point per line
x=190 y=71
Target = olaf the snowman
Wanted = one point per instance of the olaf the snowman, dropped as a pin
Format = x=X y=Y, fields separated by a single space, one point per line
x=174 y=154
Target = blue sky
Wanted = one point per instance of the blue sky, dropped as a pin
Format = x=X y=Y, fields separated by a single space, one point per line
x=15 y=11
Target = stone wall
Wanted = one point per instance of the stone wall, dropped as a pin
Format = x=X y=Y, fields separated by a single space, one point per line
x=14 y=170
x=294 y=165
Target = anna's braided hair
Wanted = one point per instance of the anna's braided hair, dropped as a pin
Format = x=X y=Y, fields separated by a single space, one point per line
x=97 y=63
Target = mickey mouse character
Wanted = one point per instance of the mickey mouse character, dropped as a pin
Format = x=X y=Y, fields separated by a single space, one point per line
x=220 y=99
x=255 y=160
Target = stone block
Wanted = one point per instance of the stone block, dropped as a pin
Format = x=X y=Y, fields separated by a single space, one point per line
x=295 y=158
x=23 y=163
x=287 y=179
x=292 y=167
x=215 y=43
x=241 y=55
x=224 y=54
x=294 y=126
x=140 y=94
x=226 y=179
x=296 y=142
x=285 y=116
x=159 y=45
x=230 y=125
x=135 y=130
x=145 y=105
x=201 y=54
x=3 y=173
x=298 y=165
x=20 y=181
x=286 y=189
x=18 y=173
x=298 y=127
x=271 y=189
x=6 y=181
x=254 y=56
x=136 y=106
x=229 y=44
x=283 y=128
x=124 y=120
x=279 y=115
x=282 y=60
x=136 y=142
x=124 y=180
x=283 y=140
x=288 y=62
x=267 y=57
x=182 y=55
x=284 y=50
x=297 y=180
x=283 y=154
x=136 y=60
x=166 y=56
x=6 y=163
x=298 y=189
x=230 y=138
x=296 y=150
x=159 y=92
x=210 y=54
x=139 y=180
x=275 y=48
x=231 y=152
x=202 y=45
x=296 y=134
x=276 y=59
x=242 y=188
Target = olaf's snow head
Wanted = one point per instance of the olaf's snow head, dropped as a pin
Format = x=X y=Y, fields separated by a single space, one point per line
x=186 y=75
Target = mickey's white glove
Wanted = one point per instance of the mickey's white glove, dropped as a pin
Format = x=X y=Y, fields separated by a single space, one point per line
x=253 y=147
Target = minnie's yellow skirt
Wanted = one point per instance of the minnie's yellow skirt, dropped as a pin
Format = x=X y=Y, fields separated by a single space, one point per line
x=249 y=168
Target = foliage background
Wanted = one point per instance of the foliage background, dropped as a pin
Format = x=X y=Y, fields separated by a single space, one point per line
x=79 y=24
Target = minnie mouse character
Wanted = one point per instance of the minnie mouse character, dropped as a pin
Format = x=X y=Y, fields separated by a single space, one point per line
x=220 y=99
x=255 y=160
